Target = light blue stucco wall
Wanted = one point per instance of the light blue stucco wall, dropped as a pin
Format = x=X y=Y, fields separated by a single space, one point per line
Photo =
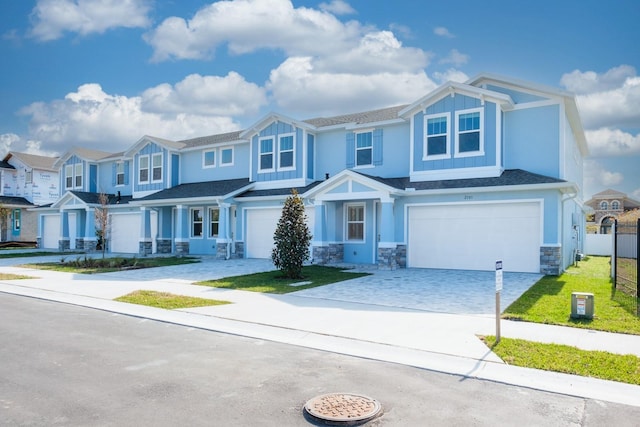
x=193 y=170
x=517 y=96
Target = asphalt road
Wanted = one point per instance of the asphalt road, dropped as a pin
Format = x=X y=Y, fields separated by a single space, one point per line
x=72 y=366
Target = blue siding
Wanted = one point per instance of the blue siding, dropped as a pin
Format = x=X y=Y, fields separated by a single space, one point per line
x=93 y=178
x=310 y=156
x=276 y=129
x=175 y=170
x=151 y=149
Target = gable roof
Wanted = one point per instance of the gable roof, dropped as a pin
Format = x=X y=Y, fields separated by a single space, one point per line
x=277 y=192
x=33 y=160
x=198 y=190
x=220 y=138
x=166 y=143
x=84 y=153
x=365 y=117
x=8 y=201
x=610 y=194
x=94 y=198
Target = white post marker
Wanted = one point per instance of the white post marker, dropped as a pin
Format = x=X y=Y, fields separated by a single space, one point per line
x=498 y=289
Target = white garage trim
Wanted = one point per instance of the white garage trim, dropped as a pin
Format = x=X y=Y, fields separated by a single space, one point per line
x=260 y=225
x=51 y=232
x=472 y=236
x=124 y=233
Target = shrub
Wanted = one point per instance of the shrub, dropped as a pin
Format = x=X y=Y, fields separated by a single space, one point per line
x=291 y=238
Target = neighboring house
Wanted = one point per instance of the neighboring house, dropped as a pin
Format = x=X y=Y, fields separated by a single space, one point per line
x=609 y=205
x=466 y=175
x=26 y=181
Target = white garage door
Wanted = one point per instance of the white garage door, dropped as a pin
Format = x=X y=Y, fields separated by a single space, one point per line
x=125 y=233
x=473 y=237
x=261 y=224
x=51 y=232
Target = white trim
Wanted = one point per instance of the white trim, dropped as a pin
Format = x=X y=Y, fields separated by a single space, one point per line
x=293 y=151
x=425 y=154
x=148 y=169
x=154 y=156
x=460 y=173
x=480 y=151
x=562 y=142
x=191 y=222
x=233 y=156
x=204 y=157
x=273 y=154
x=368 y=130
x=346 y=222
x=536 y=104
x=498 y=136
x=284 y=183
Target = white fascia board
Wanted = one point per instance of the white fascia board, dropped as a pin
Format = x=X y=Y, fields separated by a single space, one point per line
x=164 y=143
x=216 y=145
x=564 y=187
x=276 y=197
x=516 y=84
x=354 y=126
x=174 y=201
x=269 y=118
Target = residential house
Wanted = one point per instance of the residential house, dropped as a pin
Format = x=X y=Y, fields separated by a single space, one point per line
x=466 y=175
x=26 y=181
x=608 y=205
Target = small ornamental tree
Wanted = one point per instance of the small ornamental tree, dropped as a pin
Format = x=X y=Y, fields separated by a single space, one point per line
x=102 y=220
x=292 y=238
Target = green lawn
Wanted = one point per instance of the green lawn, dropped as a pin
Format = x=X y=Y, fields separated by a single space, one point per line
x=10 y=276
x=549 y=300
x=87 y=265
x=167 y=300
x=273 y=282
x=6 y=253
x=567 y=359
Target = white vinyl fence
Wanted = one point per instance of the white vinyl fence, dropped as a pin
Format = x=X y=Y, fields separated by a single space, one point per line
x=598 y=244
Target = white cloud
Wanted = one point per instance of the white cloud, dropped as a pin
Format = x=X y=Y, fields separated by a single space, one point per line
x=93 y=118
x=610 y=100
x=231 y=95
x=443 y=32
x=612 y=142
x=7 y=142
x=595 y=175
x=450 y=75
x=636 y=194
x=52 y=18
x=456 y=58
x=337 y=7
x=248 y=25
x=297 y=86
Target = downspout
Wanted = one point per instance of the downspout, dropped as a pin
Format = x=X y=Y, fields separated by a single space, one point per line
x=565 y=198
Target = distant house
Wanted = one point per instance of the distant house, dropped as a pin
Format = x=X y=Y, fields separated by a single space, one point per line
x=465 y=175
x=608 y=205
x=26 y=181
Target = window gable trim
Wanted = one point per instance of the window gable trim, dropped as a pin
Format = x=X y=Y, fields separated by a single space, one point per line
x=266 y=154
x=287 y=153
x=364 y=148
x=473 y=129
x=157 y=172
x=143 y=169
x=435 y=135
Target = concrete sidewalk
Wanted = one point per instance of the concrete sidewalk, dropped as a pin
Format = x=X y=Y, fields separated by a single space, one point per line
x=435 y=341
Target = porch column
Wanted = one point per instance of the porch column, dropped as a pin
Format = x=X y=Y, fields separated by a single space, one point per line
x=182 y=230
x=63 y=241
x=320 y=251
x=387 y=253
x=145 y=244
x=90 y=240
x=223 y=243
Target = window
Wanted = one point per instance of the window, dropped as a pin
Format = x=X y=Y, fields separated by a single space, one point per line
x=355 y=222
x=156 y=170
x=209 y=159
x=226 y=156
x=143 y=173
x=68 y=176
x=78 y=175
x=28 y=176
x=469 y=135
x=214 y=218
x=196 y=222
x=266 y=154
x=604 y=205
x=286 y=152
x=437 y=136
x=120 y=173
x=16 y=219
x=364 y=149
x=615 y=205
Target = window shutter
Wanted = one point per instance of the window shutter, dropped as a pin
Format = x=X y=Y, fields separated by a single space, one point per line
x=114 y=173
x=377 y=147
x=351 y=149
x=126 y=172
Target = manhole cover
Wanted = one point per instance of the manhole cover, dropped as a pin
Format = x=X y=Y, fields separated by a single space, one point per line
x=342 y=407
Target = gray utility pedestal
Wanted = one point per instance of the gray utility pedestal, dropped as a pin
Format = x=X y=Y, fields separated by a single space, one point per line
x=581 y=305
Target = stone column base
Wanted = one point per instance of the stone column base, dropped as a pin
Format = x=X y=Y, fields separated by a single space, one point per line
x=182 y=248
x=550 y=260
x=163 y=246
x=145 y=248
x=64 y=245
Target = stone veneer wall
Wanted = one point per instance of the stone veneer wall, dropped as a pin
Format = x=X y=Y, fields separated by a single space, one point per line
x=239 y=251
x=401 y=256
x=334 y=253
x=387 y=259
x=88 y=245
x=145 y=248
x=163 y=246
x=182 y=248
x=550 y=260
x=221 y=250
x=64 y=245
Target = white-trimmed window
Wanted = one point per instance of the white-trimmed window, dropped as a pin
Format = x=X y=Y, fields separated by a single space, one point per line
x=197 y=222
x=437 y=136
x=77 y=172
x=143 y=169
x=286 y=152
x=214 y=222
x=355 y=222
x=604 y=205
x=68 y=176
x=615 y=205
x=120 y=173
x=364 y=148
x=156 y=167
x=16 y=220
x=469 y=134
x=265 y=161
x=209 y=158
x=226 y=156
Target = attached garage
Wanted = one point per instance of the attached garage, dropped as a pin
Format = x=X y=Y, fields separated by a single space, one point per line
x=261 y=224
x=51 y=233
x=124 y=233
x=474 y=236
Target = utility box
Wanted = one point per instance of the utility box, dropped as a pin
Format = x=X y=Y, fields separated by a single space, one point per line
x=581 y=305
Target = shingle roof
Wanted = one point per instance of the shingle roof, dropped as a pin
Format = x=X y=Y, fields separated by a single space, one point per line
x=278 y=191
x=35 y=161
x=372 y=116
x=199 y=189
x=14 y=201
x=94 y=198
x=508 y=177
x=211 y=139
x=5 y=165
x=90 y=154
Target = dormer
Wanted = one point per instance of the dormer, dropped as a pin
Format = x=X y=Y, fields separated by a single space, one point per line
x=78 y=169
x=156 y=165
x=281 y=152
x=456 y=133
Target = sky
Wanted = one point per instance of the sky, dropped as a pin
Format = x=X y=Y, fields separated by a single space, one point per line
x=103 y=73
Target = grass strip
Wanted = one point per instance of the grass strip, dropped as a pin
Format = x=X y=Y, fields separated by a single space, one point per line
x=88 y=265
x=11 y=276
x=567 y=359
x=167 y=300
x=549 y=300
x=273 y=282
